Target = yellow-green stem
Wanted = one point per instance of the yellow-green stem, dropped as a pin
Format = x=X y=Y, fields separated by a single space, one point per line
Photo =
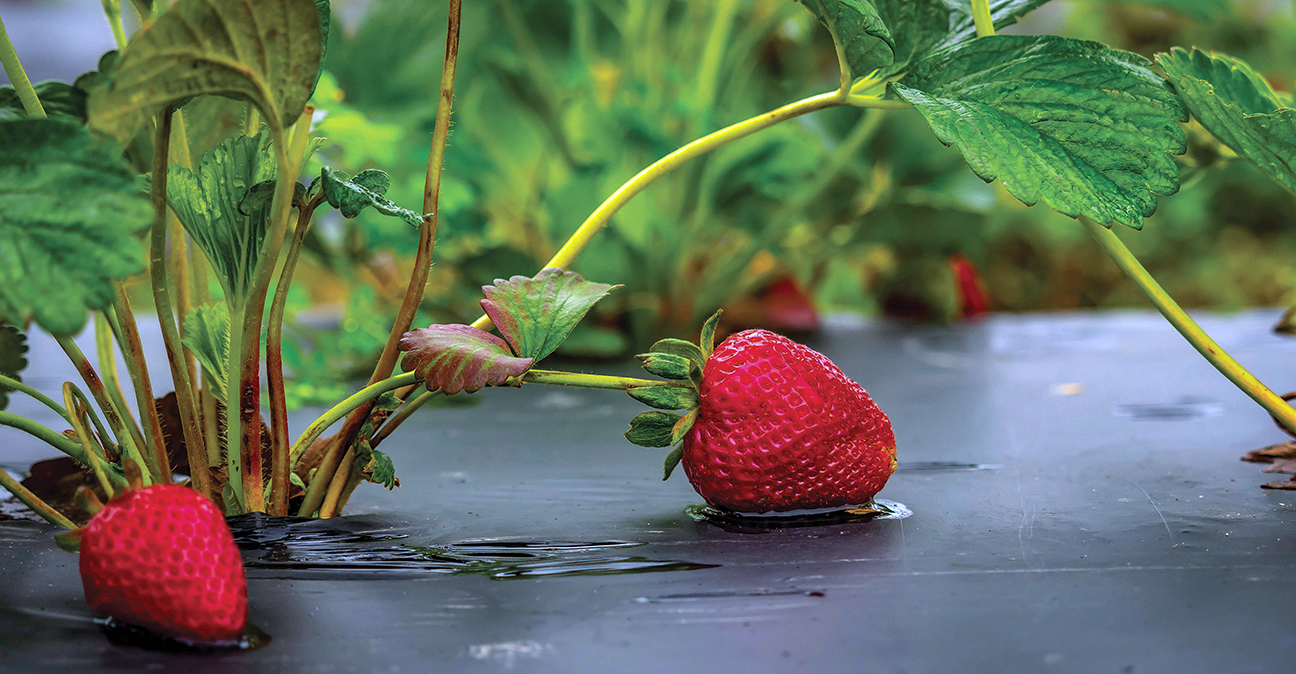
x=981 y=16
x=582 y=380
x=15 y=385
x=82 y=408
x=32 y=501
x=402 y=414
x=56 y=440
x=315 y=493
x=78 y=409
x=133 y=351
x=101 y=397
x=600 y=217
x=13 y=68
x=1187 y=327
x=166 y=315
x=108 y=367
x=112 y=10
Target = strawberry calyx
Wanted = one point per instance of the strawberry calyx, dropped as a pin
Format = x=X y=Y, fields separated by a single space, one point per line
x=682 y=362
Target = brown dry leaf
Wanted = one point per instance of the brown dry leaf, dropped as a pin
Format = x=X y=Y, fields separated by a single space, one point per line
x=1289 y=485
x=55 y=482
x=1282 y=466
x=1286 y=450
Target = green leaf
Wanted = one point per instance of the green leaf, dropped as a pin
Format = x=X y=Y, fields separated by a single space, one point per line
x=667 y=365
x=859 y=31
x=681 y=348
x=324 y=9
x=707 y=340
x=683 y=426
x=385 y=403
x=380 y=470
x=672 y=460
x=652 y=429
x=454 y=358
x=351 y=195
x=915 y=25
x=536 y=314
x=1087 y=129
x=665 y=396
x=207 y=335
x=1235 y=103
x=266 y=52
x=70 y=210
x=214 y=207
x=13 y=357
x=58 y=98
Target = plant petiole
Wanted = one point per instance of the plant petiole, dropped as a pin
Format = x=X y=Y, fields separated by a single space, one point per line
x=1187 y=327
x=557 y=378
x=13 y=68
x=57 y=440
x=34 y=502
x=79 y=408
x=982 y=17
x=15 y=385
x=112 y=10
x=315 y=493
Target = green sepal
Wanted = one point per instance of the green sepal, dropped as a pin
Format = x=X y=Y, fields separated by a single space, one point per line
x=652 y=429
x=666 y=396
x=667 y=365
x=672 y=460
x=679 y=347
x=707 y=340
x=683 y=426
x=69 y=541
x=13 y=357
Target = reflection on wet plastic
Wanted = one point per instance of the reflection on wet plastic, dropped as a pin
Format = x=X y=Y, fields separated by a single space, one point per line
x=878 y=509
x=295 y=547
x=126 y=634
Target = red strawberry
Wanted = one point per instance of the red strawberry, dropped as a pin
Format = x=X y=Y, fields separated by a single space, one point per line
x=163 y=558
x=781 y=428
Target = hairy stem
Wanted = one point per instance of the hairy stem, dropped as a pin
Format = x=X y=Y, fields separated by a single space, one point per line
x=245 y=417
x=423 y=258
x=315 y=493
x=32 y=501
x=1187 y=327
x=279 y=463
x=13 y=68
x=166 y=316
x=108 y=367
x=981 y=16
x=133 y=351
x=95 y=384
x=601 y=215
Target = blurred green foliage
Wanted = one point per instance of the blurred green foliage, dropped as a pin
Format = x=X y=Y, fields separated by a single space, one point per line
x=558 y=102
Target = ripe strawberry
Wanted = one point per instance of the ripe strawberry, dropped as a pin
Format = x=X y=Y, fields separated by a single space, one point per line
x=163 y=558
x=781 y=428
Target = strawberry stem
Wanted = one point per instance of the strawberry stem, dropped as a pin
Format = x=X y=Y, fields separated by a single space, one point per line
x=582 y=380
x=1187 y=327
x=981 y=16
x=32 y=501
x=13 y=68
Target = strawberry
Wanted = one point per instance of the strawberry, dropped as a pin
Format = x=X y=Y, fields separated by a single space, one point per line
x=163 y=558
x=773 y=426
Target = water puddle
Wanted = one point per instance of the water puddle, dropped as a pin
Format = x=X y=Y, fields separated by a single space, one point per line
x=879 y=509
x=126 y=634
x=1180 y=410
x=932 y=466
x=283 y=547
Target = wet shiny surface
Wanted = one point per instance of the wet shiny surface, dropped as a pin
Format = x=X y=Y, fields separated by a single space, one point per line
x=1068 y=516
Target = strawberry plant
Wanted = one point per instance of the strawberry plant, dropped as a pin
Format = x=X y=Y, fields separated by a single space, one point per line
x=211 y=99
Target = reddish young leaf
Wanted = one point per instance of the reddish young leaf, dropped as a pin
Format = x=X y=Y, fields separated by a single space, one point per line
x=456 y=358
x=536 y=314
